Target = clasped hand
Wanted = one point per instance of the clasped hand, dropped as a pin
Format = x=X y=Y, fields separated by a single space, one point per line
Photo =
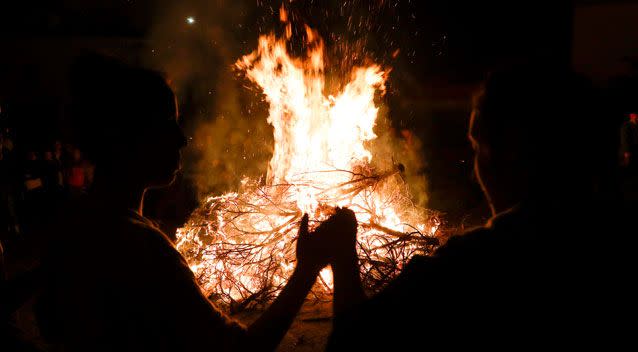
x=332 y=242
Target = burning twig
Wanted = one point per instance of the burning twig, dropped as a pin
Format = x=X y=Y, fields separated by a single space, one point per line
x=242 y=245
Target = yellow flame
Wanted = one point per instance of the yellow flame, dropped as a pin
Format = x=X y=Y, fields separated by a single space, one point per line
x=320 y=160
x=313 y=132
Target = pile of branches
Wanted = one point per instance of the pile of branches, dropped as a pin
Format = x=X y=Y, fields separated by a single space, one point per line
x=241 y=245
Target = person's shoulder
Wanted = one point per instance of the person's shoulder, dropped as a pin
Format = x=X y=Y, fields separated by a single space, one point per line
x=465 y=243
x=415 y=266
x=84 y=223
x=152 y=247
x=460 y=245
x=146 y=234
x=499 y=231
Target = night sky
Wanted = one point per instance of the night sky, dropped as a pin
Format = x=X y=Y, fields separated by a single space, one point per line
x=448 y=33
x=450 y=41
x=445 y=47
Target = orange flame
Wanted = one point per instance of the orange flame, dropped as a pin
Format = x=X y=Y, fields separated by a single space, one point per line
x=313 y=132
x=320 y=160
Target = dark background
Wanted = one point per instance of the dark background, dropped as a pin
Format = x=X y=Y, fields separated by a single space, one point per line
x=446 y=48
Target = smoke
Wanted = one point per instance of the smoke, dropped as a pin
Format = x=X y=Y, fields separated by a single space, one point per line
x=196 y=43
x=224 y=116
x=402 y=151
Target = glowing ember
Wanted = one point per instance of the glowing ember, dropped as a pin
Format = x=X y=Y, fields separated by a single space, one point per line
x=241 y=245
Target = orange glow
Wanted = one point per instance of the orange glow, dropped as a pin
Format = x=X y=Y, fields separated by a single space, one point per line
x=240 y=243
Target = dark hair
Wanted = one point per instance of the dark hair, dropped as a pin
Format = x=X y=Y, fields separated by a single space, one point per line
x=538 y=109
x=112 y=101
x=550 y=116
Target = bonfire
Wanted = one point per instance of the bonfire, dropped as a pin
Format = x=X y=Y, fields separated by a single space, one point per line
x=241 y=245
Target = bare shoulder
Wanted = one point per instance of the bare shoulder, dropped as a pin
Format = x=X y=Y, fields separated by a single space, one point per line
x=149 y=243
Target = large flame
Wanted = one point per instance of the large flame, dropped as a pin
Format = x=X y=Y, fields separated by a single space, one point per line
x=313 y=133
x=241 y=244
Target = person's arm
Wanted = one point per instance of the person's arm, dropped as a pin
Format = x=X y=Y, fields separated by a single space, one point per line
x=348 y=290
x=267 y=332
x=196 y=321
x=333 y=241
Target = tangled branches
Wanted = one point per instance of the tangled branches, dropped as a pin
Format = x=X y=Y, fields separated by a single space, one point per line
x=241 y=246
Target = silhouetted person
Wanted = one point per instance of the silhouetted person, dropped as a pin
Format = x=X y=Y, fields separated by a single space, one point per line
x=33 y=172
x=629 y=142
x=53 y=179
x=9 y=177
x=116 y=281
x=53 y=183
x=535 y=274
x=33 y=191
x=77 y=175
x=171 y=206
x=629 y=155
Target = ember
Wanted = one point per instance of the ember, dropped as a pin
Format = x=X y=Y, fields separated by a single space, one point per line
x=241 y=244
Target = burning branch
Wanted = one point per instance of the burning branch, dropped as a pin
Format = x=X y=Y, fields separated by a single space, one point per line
x=241 y=245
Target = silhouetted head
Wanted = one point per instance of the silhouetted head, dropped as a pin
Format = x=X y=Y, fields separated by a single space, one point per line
x=534 y=137
x=125 y=122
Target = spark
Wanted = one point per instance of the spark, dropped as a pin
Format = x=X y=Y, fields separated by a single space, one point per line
x=240 y=245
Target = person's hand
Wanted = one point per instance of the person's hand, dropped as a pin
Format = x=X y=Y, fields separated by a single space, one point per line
x=332 y=242
x=311 y=258
x=339 y=235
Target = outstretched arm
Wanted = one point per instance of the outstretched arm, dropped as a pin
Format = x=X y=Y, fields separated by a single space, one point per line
x=196 y=319
x=266 y=333
x=348 y=290
x=333 y=241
